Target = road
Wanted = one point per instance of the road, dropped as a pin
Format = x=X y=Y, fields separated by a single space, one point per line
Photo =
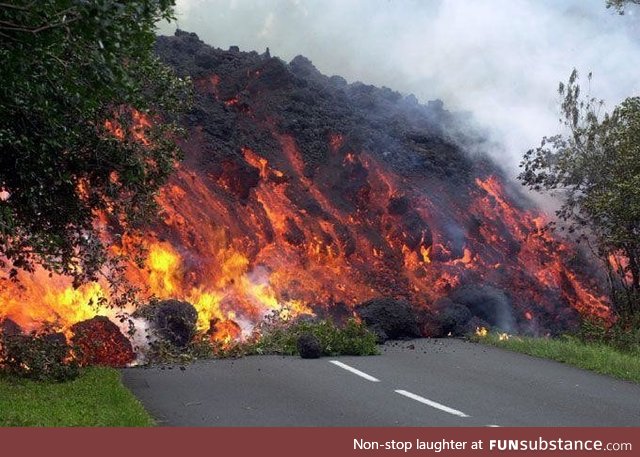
x=427 y=382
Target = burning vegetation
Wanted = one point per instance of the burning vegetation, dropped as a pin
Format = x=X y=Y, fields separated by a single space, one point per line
x=302 y=194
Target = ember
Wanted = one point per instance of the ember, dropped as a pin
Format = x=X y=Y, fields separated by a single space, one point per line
x=100 y=342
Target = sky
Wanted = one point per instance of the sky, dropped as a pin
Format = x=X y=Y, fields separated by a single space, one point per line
x=501 y=60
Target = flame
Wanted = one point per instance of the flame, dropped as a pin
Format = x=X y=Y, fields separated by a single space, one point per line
x=225 y=332
x=139 y=126
x=163 y=263
x=336 y=141
x=481 y=332
x=263 y=232
x=44 y=300
x=620 y=264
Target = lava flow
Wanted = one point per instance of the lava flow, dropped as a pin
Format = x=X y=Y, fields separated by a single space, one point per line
x=301 y=192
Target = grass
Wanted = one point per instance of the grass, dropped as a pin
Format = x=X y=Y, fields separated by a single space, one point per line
x=598 y=357
x=96 y=398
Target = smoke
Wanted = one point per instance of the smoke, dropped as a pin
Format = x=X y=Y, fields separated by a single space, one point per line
x=499 y=59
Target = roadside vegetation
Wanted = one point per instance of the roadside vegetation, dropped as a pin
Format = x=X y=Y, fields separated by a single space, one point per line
x=595 y=356
x=592 y=168
x=315 y=338
x=305 y=338
x=612 y=350
x=79 y=83
x=96 y=398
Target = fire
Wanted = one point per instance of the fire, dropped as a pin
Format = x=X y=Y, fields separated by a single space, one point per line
x=503 y=336
x=620 y=264
x=140 y=124
x=163 y=263
x=481 y=332
x=225 y=332
x=246 y=232
x=336 y=141
x=425 y=254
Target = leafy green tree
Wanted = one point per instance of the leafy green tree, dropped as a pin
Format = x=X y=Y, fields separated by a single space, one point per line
x=88 y=119
x=594 y=167
x=620 y=5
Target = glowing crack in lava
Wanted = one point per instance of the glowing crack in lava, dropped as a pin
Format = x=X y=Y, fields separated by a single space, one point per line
x=279 y=208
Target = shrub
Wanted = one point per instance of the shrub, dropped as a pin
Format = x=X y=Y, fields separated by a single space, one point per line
x=624 y=334
x=41 y=357
x=162 y=352
x=281 y=337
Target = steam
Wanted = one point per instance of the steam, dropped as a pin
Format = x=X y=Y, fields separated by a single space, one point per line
x=499 y=59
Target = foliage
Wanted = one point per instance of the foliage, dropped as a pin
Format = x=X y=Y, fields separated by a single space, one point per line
x=78 y=83
x=281 y=337
x=163 y=352
x=41 y=357
x=595 y=168
x=619 y=5
x=96 y=398
x=623 y=335
x=597 y=357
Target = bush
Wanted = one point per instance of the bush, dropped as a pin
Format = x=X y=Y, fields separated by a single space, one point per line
x=163 y=352
x=624 y=334
x=281 y=337
x=41 y=357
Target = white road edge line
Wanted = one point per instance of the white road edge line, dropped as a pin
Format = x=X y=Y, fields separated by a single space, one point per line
x=431 y=403
x=362 y=374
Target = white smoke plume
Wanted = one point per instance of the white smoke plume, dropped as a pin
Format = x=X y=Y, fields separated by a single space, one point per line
x=502 y=60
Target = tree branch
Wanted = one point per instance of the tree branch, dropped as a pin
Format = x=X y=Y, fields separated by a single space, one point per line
x=16 y=7
x=12 y=27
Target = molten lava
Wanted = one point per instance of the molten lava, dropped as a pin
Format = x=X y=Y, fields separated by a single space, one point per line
x=271 y=224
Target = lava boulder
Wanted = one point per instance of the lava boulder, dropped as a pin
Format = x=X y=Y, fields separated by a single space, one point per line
x=309 y=346
x=389 y=319
x=9 y=328
x=173 y=321
x=429 y=323
x=453 y=317
x=488 y=303
x=99 y=341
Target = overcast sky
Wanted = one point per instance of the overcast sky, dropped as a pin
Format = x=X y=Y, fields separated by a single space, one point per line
x=500 y=59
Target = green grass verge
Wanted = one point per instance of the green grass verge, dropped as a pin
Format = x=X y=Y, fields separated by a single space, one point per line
x=96 y=398
x=597 y=357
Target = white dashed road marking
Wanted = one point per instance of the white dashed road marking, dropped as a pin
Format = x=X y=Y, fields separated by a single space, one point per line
x=404 y=393
x=431 y=403
x=362 y=374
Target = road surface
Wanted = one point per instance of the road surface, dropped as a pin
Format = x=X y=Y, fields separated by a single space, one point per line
x=427 y=382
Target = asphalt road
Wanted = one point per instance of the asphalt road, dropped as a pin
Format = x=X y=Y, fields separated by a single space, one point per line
x=425 y=382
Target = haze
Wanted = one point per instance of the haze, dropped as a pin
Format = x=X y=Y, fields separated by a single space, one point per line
x=500 y=59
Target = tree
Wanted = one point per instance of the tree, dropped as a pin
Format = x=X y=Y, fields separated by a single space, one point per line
x=595 y=169
x=620 y=5
x=88 y=118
